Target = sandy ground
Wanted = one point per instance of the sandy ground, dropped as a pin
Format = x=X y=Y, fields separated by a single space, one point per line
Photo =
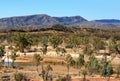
x=96 y=79
x=58 y=69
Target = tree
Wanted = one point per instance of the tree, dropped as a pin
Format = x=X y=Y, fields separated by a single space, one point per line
x=118 y=71
x=92 y=65
x=61 y=50
x=65 y=78
x=55 y=40
x=36 y=41
x=73 y=41
x=106 y=67
x=13 y=57
x=84 y=73
x=87 y=50
x=18 y=76
x=84 y=40
x=114 y=46
x=59 y=27
x=69 y=61
x=98 y=44
x=44 y=43
x=21 y=41
x=45 y=73
x=80 y=61
x=37 y=59
x=2 y=51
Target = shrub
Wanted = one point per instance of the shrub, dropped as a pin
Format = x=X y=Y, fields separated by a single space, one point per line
x=65 y=78
x=18 y=76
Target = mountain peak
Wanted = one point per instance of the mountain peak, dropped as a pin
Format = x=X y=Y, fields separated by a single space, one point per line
x=39 y=20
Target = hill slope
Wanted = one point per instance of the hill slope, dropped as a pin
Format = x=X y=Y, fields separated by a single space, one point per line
x=39 y=20
x=46 y=20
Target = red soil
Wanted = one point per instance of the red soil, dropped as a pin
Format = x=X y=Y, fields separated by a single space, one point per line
x=96 y=79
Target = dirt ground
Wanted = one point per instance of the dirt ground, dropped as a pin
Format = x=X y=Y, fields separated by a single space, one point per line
x=59 y=69
x=96 y=79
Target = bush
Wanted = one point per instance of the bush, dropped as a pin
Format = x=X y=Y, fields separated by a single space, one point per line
x=18 y=76
x=66 y=78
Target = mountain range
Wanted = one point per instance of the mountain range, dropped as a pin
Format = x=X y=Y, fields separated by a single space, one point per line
x=46 y=20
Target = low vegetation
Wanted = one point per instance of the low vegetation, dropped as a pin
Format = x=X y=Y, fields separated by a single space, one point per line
x=73 y=47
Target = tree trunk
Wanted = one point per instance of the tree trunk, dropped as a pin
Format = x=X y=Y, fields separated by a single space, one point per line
x=21 y=48
x=68 y=67
x=84 y=78
x=37 y=68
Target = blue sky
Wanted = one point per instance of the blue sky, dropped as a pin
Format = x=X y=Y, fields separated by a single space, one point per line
x=89 y=9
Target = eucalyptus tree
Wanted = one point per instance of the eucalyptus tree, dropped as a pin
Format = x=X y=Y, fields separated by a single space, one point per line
x=18 y=77
x=85 y=40
x=44 y=42
x=55 y=40
x=73 y=41
x=13 y=57
x=84 y=73
x=98 y=44
x=36 y=41
x=48 y=69
x=2 y=51
x=69 y=61
x=37 y=58
x=60 y=51
x=88 y=49
x=21 y=41
x=93 y=65
x=80 y=61
x=46 y=73
x=118 y=71
x=114 y=46
x=106 y=68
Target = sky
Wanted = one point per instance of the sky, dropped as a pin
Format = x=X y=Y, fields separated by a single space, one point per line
x=88 y=9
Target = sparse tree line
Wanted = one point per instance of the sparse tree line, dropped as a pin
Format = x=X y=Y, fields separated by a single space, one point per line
x=91 y=67
x=90 y=43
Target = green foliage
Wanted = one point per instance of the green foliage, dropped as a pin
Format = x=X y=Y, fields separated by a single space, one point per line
x=13 y=57
x=65 y=78
x=18 y=77
x=92 y=65
x=114 y=46
x=21 y=41
x=45 y=73
x=109 y=69
x=37 y=59
x=69 y=59
x=80 y=61
x=55 y=40
x=49 y=68
x=98 y=43
x=87 y=50
x=44 y=43
x=60 y=50
x=84 y=40
x=35 y=41
x=72 y=41
x=59 y=27
x=2 y=51
x=106 y=67
x=84 y=73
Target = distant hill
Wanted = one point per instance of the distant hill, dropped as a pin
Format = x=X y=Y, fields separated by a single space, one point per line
x=40 y=20
x=44 y=20
x=99 y=24
x=109 y=21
